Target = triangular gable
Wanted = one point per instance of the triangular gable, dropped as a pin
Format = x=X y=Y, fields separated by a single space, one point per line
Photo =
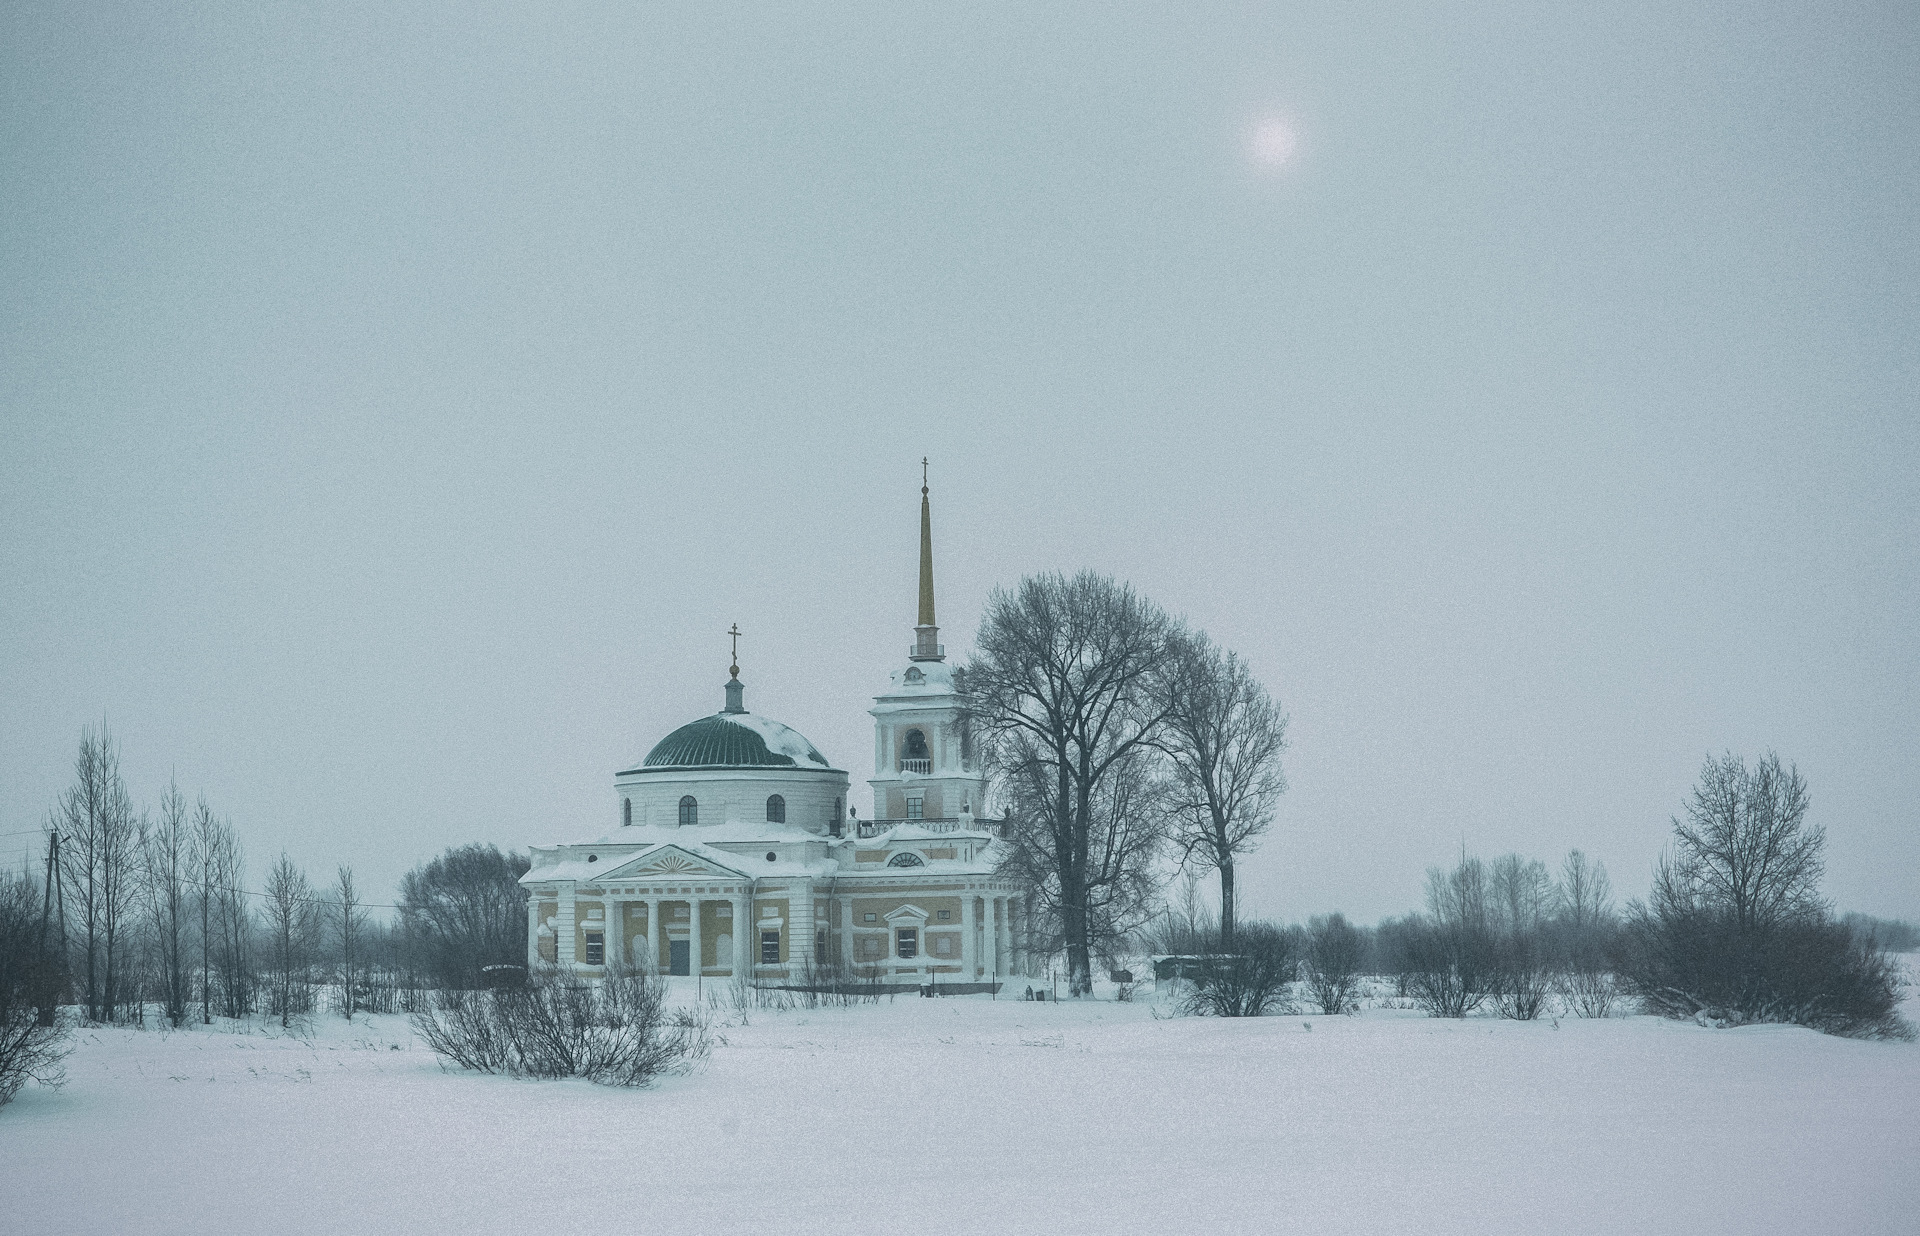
x=907 y=916
x=669 y=862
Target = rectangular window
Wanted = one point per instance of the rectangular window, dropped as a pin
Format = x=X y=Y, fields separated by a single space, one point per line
x=820 y=946
x=596 y=948
x=869 y=918
x=945 y=915
x=943 y=946
x=916 y=808
x=908 y=943
x=723 y=910
x=769 y=948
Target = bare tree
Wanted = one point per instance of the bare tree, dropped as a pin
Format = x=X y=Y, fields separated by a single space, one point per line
x=1334 y=953
x=1117 y=885
x=1521 y=895
x=1063 y=694
x=233 y=925
x=1585 y=928
x=1450 y=957
x=466 y=910
x=1745 y=843
x=289 y=918
x=210 y=839
x=84 y=818
x=1735 y=930
x=1585 y=897
x=1224 y=735
x=168 y=870
x=348 y=919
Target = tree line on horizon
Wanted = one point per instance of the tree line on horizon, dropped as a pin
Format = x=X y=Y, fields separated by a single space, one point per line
x=1128 y=750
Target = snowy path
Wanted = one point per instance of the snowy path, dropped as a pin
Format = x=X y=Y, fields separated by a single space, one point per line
x=969 y=1115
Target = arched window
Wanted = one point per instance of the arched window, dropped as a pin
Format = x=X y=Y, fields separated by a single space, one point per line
x=626 y=812
x=906 y=858
x=776 y=809
x=914 y=756
x=834 y=827
x=689 y=810
x=914 y=675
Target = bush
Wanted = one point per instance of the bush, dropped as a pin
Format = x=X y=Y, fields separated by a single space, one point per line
x=1335 y=950
x=33 y=1039
x=617 y=1031
x=1808 y=971
x=1252 y=981
x=1522 y=981
x=1451 y=966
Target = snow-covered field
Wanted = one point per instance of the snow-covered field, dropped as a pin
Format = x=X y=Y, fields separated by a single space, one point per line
x=971 y=1115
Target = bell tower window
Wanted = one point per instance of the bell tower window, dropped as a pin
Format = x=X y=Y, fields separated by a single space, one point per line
x=776 y=809
x=626 y=812
x=914 y=754
x=689 y=810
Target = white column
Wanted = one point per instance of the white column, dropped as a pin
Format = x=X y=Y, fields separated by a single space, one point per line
x=645 y=961
x=1003 y=935
x=1018 y=909
x=846 y=935
x=693 y=934
x=743 y=941
x=799 y=927
x=533 y=931
x=563 y=928
x=969 y=968
x=614 y=950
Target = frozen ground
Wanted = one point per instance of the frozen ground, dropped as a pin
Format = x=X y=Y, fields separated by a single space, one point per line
x=969 y=1115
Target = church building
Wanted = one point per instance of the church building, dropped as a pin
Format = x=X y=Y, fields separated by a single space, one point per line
x=734 y=852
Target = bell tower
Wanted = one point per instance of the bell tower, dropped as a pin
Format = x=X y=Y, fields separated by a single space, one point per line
x=924 y=772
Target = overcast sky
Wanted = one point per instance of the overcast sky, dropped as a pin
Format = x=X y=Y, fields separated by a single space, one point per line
x=399 y=402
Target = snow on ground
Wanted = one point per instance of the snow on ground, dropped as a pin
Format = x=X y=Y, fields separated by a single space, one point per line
x=972 y=1115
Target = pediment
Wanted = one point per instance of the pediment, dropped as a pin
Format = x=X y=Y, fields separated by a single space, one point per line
x=669 y=862
x=908 y=915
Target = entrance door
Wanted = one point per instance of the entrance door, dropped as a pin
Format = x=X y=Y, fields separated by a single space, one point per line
x=679 y=957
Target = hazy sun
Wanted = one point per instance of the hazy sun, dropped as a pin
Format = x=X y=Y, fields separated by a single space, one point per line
x=1271 y=143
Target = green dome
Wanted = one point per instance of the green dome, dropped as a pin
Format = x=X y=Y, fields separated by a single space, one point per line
x=734 y=740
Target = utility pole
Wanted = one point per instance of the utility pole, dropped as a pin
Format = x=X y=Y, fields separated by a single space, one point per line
x=51 y=971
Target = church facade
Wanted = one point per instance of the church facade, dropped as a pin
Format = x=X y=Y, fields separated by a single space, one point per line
x=736 y=854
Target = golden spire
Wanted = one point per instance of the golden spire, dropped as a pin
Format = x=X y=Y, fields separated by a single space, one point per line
x=926 y=551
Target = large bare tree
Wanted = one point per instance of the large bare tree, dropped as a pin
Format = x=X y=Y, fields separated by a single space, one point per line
x=1063 y=694
x=1224 y=735
x=1745 y=846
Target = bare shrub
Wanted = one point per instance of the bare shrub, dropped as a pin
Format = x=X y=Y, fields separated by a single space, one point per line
x=617 y=1031
x=1523 y=980
x=1252 y=981
x=1451 y=955
x=1588 y=992
x=31 y=1046
x=1335 y=951
x=1812 y=971
x=1451 y=966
